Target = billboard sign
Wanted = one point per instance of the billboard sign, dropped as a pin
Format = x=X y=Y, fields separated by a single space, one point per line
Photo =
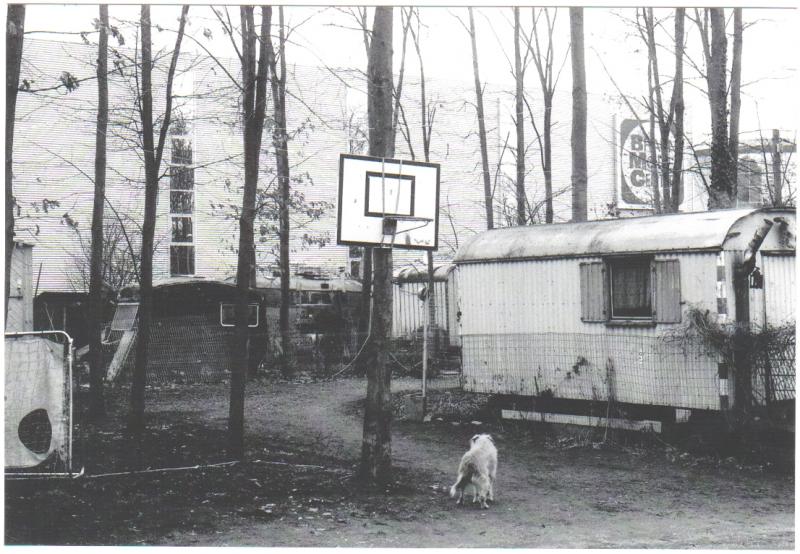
x=635 y=187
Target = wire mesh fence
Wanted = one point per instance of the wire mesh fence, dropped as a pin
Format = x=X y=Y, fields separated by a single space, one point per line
x=681 y=371
x=773 y=367
x=684 y=370
x=182 y=349
x=193 y=349
x=621 y=367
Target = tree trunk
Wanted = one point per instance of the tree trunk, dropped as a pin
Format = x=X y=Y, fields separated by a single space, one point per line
x=487 y=183
x=148 y=231
x=519 y=77
x=96 y=403
x=678 y=109
x=152 y=164
x=736 y=100
x=651 y=142
x=280 y=142
x=15 y=28
x=427 y=120
x=254 y=87
x=660 y=169
x=544 y=66
x=578 y=140
x=376 y=447
x=722 y=188
x=548 y=158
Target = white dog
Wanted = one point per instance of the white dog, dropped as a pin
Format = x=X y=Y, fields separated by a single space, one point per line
x=478 y=468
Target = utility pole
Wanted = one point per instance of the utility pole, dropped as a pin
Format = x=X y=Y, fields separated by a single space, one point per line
x=777 y=180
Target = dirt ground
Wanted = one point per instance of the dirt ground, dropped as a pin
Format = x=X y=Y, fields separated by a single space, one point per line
x=297 y=488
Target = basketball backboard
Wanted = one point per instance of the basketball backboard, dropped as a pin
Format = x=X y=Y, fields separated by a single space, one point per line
x=388 y=202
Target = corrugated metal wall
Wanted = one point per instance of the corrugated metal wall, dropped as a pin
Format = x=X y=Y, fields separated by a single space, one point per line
x=780 y=289
x=409 y=310
x=521 y=331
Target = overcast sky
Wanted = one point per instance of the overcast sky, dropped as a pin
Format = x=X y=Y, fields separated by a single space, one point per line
x=325 y=36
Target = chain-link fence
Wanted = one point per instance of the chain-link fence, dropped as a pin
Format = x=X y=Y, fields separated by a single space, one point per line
x=182 y=349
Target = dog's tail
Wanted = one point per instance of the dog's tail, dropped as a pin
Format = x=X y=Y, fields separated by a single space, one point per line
x=464 y=479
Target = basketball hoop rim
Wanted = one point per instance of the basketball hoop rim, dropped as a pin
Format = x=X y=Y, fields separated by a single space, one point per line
x=397 y=217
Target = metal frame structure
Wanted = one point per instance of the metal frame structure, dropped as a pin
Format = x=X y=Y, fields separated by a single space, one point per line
x=69 y=390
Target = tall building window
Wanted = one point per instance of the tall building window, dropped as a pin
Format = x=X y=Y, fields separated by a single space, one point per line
x=181 y=202
x=749 y=184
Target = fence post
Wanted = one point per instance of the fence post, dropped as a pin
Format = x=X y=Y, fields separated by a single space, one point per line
x=425 y=356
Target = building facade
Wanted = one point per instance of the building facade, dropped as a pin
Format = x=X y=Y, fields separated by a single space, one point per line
x=200 y=190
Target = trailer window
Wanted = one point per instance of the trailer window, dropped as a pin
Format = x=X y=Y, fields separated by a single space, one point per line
x=631 y=292
x=125 y=316
x=314 y=297
x=227 y=315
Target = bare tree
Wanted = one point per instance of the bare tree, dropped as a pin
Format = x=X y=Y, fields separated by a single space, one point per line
x=428 y=114
x=15 y=31
x=376 y=446
x=152 y=163
x=544 y=60
x=487 y=184
x=363 y=362
x=722 y=187
x=254 y=99
x=519 y=78
x=578 y=140
x=677 y=108
x=736 y=96
x=280 y=142
x=119 y=263
x=666 y=144
x=96 y=403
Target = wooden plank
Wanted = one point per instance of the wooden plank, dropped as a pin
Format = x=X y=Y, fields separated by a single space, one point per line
x=592 y=282
x=667 y=291
x=585 y=420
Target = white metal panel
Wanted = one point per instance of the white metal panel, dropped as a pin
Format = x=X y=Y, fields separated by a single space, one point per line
x=544 y=295
x=20 y=301
x=780 y=289
x=522 y=334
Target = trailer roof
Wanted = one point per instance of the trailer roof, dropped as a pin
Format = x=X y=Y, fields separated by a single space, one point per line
x=420 y=275
x=299 y=282
x=680 y=232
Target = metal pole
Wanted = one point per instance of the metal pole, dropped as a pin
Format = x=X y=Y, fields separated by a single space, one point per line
x=425 y=355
